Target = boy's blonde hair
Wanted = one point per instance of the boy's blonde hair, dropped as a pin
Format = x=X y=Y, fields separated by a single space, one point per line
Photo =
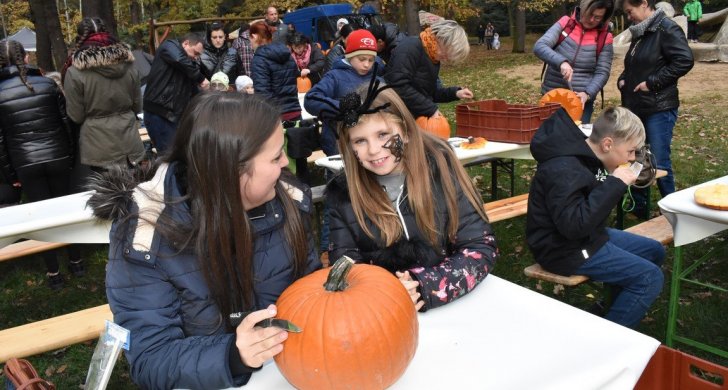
x=452 y=37
x=618 y=123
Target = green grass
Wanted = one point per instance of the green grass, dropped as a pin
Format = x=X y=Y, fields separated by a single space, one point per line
x=699 y=154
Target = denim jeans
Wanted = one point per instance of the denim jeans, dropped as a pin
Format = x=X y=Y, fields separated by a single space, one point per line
x=588 y=111
x=658 y=127
x=160 y=130
x=632 y=264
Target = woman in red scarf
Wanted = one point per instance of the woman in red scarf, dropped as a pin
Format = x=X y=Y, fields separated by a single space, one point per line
x=309 y=58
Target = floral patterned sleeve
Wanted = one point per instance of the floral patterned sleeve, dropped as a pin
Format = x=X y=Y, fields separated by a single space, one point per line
x=472 y=257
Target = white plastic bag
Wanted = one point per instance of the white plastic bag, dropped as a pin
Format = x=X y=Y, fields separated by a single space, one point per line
x=107 y=351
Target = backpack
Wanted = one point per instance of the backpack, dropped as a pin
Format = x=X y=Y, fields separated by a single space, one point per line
x=566 y=31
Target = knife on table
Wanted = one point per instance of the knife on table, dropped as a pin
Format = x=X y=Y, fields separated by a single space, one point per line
x=237 y=318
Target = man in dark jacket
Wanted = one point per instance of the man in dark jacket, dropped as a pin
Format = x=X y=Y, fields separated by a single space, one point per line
x=280 y=29
x=174 y=79
x=577 y=183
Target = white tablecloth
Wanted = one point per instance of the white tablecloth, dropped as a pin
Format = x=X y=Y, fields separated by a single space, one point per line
x=62 y=219
x=491 y=149
x=503 y=336
x=690 y=221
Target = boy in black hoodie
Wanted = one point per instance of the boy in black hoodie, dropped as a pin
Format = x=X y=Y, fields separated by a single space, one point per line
x=577 y=183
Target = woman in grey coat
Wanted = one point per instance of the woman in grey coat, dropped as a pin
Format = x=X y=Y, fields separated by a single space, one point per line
x=577 y=51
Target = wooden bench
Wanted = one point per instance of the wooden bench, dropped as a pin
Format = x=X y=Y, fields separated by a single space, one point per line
x=53 y=333
x=658 y=229
x=28 y=247
x=506 y=208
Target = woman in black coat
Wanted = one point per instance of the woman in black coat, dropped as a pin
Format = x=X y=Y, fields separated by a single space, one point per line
x=36 y=148
x=218 y=57
x=657 y=57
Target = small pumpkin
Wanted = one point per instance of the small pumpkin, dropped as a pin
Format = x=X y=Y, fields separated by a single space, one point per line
x=303 y=83
x=359 y=324
x=438 y=126
x=568 y=99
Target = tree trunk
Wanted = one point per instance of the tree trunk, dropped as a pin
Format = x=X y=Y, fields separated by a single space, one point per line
x=135 y=12
x=519 y=28
x=42 y=42
x=51 y=50
x=55 y=34
x=413 y=20
x=103 y=9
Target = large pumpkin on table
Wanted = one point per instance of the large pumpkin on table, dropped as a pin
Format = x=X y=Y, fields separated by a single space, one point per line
x=438 y=126
x=359 y=326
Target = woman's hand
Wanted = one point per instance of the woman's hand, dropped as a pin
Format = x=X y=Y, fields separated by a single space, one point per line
x=584 y=97
x=437 y=114
x=642 y=87
x=567 y=71
x=464 y=93
x=17 y=184
x=411 y=287
x=205 y=84
x=305 y=72
x=255 y=344
x=620 y=84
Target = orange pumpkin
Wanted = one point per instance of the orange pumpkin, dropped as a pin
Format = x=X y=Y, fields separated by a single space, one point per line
x=359 y=326
x=437 y=126
x=303 y=83
x=568 y=99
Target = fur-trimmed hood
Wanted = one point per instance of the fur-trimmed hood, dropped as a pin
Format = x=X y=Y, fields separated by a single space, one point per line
x=110 y=60
x=114 y=190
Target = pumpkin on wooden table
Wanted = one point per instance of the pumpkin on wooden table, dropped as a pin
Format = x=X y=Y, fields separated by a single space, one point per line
x=438 y=126
x=303 y=83
x=359 y=326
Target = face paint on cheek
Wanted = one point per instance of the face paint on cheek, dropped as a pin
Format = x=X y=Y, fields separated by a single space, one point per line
x=356 y=154
x=396 y=147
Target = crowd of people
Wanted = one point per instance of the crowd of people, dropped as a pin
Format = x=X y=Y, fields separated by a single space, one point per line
x=216 y=225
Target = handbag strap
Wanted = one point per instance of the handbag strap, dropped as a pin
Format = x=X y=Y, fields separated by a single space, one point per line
x=42 y=384
x=23 y=376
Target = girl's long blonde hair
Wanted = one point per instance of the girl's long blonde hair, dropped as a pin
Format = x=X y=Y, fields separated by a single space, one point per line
x=426 y=159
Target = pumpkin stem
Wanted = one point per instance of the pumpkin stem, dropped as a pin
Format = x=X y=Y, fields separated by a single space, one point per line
x=337 y=275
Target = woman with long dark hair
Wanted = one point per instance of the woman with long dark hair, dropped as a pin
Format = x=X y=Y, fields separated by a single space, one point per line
x=216 y=230
x=36 y=146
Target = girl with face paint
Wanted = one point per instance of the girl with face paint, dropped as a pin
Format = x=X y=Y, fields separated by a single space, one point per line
x=405 y=203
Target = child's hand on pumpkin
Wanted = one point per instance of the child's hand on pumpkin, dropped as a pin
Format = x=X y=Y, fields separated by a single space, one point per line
x=256 y=344
x=411 y=287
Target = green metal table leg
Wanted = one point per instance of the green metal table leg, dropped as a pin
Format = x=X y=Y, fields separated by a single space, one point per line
x=674 y=296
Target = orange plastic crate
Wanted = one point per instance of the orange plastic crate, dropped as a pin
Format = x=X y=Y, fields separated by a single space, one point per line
x=670 y=369
x=496 y=120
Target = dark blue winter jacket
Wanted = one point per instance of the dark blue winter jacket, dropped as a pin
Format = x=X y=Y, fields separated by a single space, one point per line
x=178 y=334
x=274 y=75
